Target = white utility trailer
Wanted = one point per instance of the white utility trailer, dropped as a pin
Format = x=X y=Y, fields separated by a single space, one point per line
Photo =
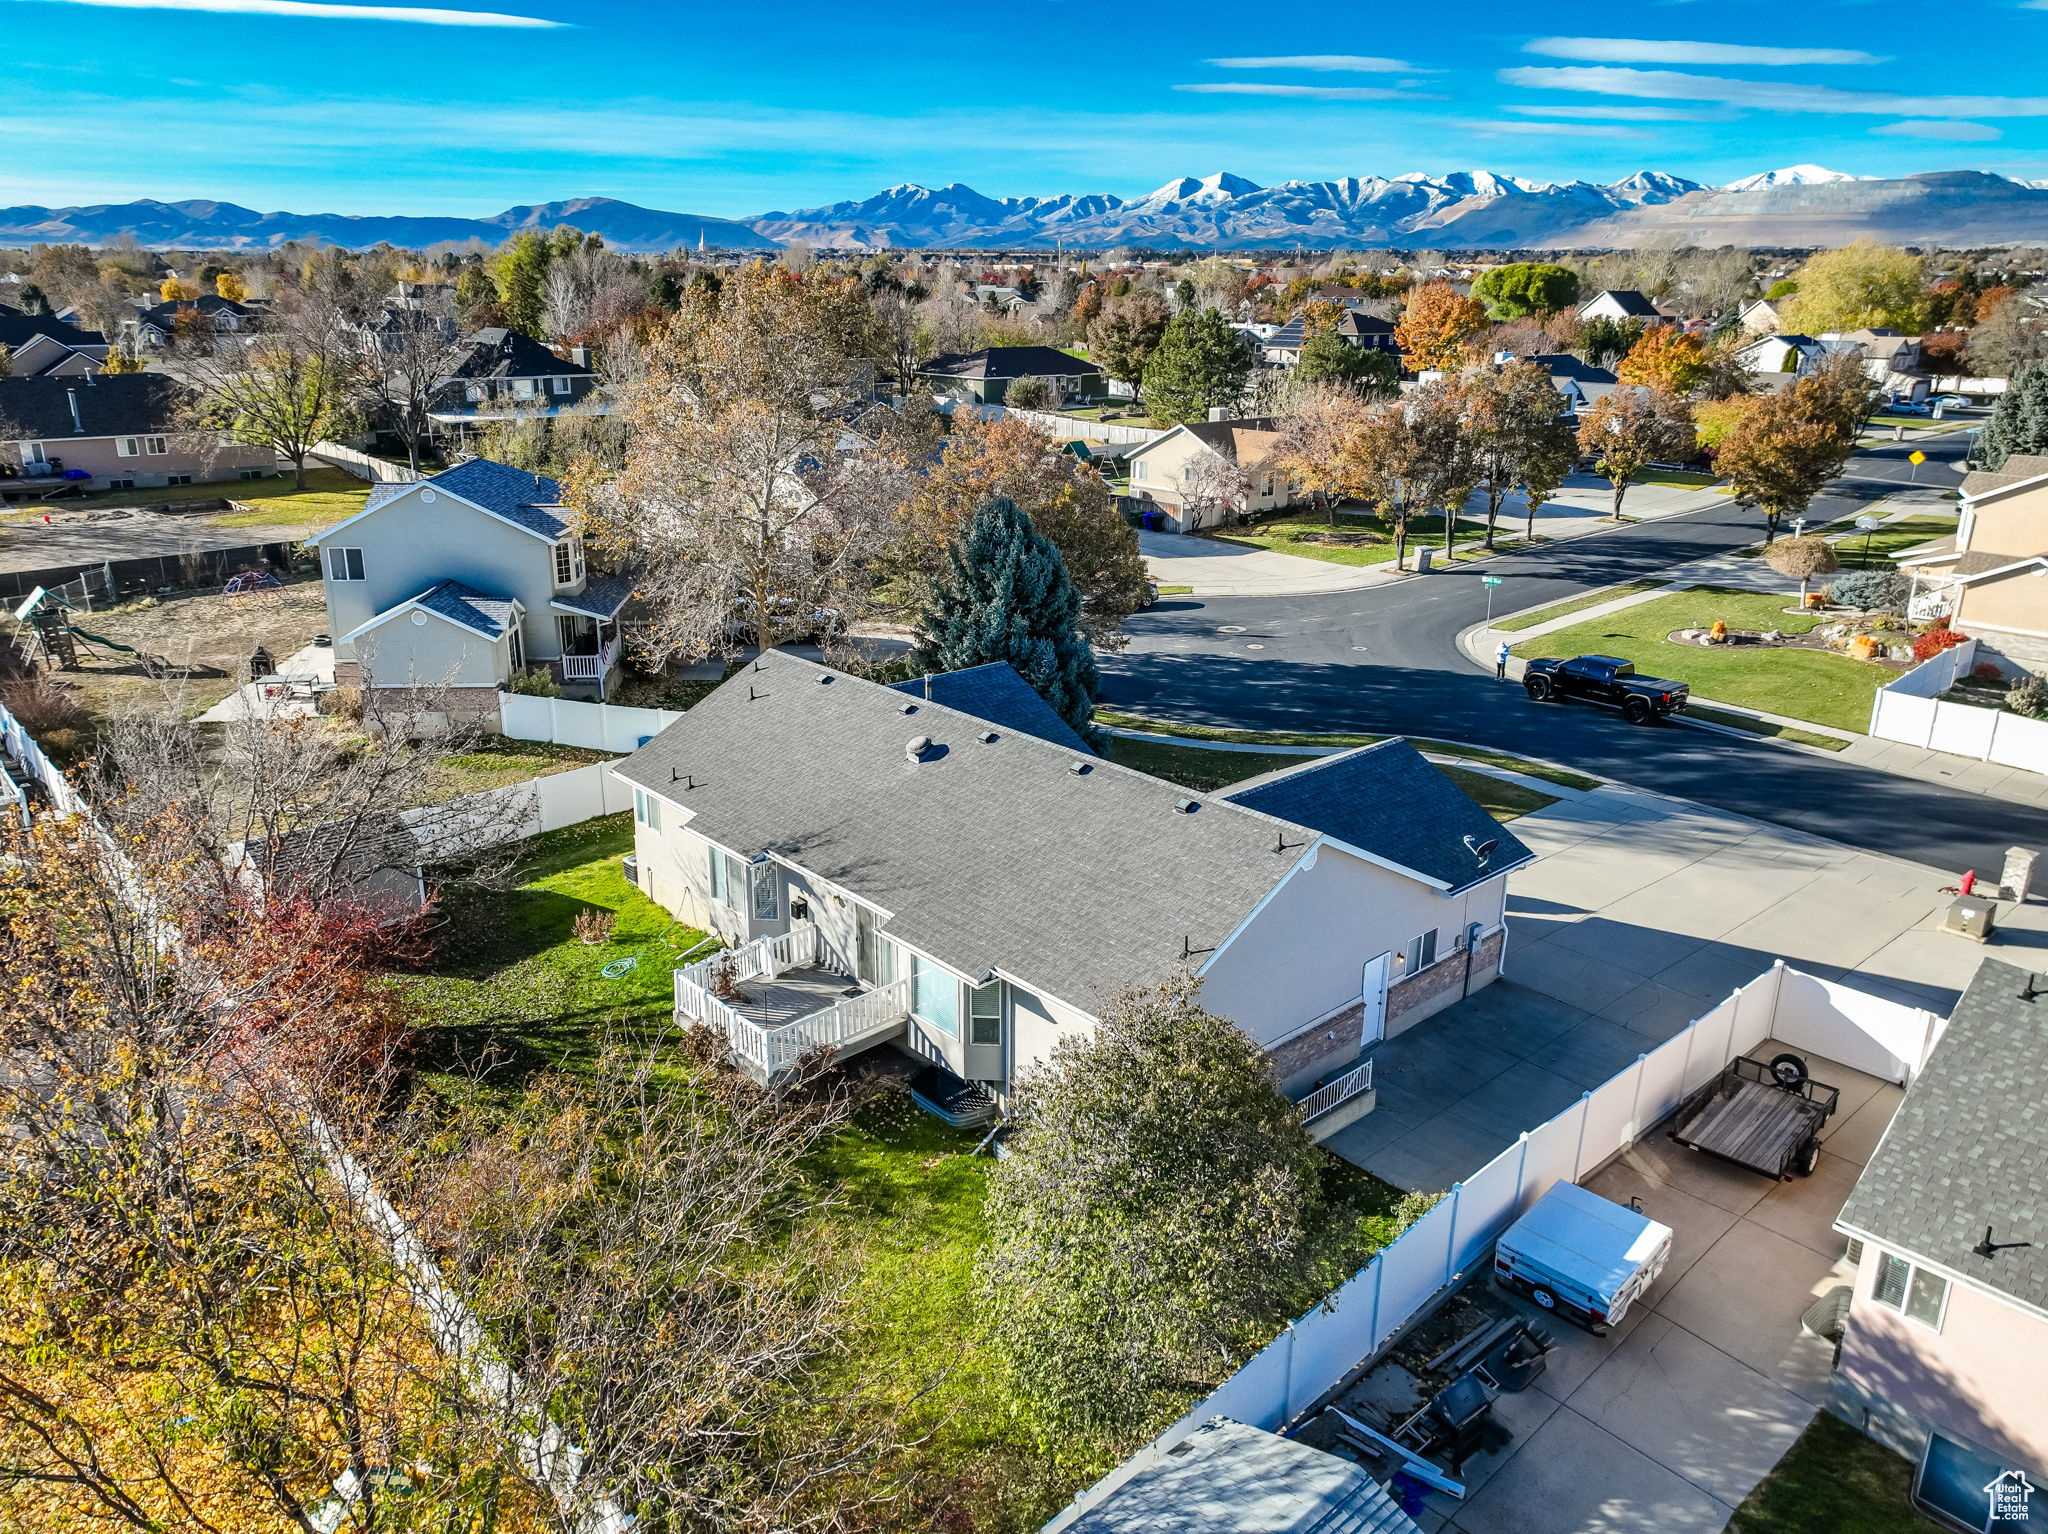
x=1581 y=1256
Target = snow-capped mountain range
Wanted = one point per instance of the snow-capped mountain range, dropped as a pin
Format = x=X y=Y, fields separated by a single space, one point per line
x=1801 y=205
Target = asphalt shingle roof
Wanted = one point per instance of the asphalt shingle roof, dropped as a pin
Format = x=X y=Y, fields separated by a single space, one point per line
x=602 y=596
x=473 y=609
x=2019 y=466
x=987 y=855
x=1969 y=1145
x=109 y=405
x=512 y=493
x=996 y=692
x=1387 y=800
x=496 y=352
x=1010 y=362
x=16 y=329
x=1632 y=303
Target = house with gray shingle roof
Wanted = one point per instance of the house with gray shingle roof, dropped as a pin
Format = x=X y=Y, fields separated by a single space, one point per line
x=1945 y=1347
x=951 y=874
x=462 y=581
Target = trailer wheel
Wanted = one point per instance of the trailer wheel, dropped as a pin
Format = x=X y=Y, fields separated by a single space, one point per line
x=1790 y=1071
x=1539 y=688
x=1809 y=1157
x=1543 y=1297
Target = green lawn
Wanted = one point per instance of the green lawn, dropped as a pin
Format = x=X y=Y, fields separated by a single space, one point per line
x=1834 y=1481
x=498 y=761
x=1750 y=724
x=1689 y=479
x=1529 y=620
x=1561 y=775
x=1176 y=591
x=1893 y=538
x=1823 y=687
x=1286 y=534
x=1206 y=769
x=329 y=496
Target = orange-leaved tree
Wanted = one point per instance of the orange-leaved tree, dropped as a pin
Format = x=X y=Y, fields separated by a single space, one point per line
x=1439 y=327
x=1631 y=428
x=1665 y=358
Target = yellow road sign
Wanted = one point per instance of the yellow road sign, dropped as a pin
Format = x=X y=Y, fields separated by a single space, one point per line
x=1916 y=456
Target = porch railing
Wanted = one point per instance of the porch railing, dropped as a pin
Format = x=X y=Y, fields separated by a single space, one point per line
x=591 y=668
x=1334 y=1094
x=777 y=1049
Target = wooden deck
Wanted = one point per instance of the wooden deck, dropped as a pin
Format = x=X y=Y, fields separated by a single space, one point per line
x=793 y=994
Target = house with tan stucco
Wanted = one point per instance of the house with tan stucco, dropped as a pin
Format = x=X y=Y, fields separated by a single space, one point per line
x=1990 y=580
x=945 y=867
x=1209 y=474
x=1944 y=1349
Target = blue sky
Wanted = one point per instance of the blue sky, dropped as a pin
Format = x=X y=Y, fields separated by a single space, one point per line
x=737 y=109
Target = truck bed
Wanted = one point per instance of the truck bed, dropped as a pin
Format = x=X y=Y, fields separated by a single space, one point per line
x=1755 y=1126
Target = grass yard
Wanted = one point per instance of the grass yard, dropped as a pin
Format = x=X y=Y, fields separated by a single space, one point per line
x=329 y=496
x=1683 y=479
x=1289 y=532
x=1176 y=591
x=1823 y=687
x=498 y=761
x=1893 y=538
x=1834 y=1481
x=1205 y=769
x=1530 y=619
x=1749 y=724
x=1560 y=775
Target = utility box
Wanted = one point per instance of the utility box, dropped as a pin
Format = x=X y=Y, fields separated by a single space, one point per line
x=1972 y=917
x=1423 y=559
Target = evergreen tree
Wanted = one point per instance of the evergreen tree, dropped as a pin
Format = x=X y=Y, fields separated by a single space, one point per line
x=1006 y=596
x=1199 y=364
x=2020 y=423
x=1327 y=357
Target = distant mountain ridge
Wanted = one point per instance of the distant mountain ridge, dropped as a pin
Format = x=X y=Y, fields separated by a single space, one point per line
x=1801 y=205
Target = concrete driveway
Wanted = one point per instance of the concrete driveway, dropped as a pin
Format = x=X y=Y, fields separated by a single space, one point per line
x=1667 y=1423
x=1640 y=914
x=1230 y=570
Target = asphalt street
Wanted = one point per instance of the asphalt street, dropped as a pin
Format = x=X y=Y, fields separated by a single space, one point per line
x=1386 y=659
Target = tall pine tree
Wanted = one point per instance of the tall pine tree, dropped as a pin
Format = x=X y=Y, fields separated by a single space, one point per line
x=1006 y=596
x=2020 y=423
x=1200 y=363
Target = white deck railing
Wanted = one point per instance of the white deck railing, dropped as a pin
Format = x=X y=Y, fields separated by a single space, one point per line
x=1333 y=1094
x=777 y=1049
x=591 y=668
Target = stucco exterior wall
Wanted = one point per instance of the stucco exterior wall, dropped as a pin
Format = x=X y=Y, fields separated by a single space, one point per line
x=1172 y=466
x=409 y=544
x=2011 y=604
x=1978 y=1380
x=2015 y=524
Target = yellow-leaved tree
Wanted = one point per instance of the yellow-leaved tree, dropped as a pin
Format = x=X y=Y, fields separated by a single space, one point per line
x=1863 y=284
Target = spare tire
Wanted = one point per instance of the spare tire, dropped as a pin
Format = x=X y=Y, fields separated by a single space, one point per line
x=1790 y=1071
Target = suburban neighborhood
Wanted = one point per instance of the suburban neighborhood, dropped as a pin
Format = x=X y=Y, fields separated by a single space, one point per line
x=1347 y=856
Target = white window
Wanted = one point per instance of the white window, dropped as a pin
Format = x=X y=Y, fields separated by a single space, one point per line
x=934 y=997
x=559 y=385
x=568 y=561
x=728 y=878
x=522 y=388
x=1421 y=952
x=516 y=649
x=1138 y=469
x=1910 y=1290
x=646 y=809
x=474 y=393
x=156 y=447
x=34 y=452
x=767 y=892
x=128 y=447
x=985 y=1014
x=344 y=564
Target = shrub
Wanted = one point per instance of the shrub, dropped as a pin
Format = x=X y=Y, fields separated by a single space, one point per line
x=595 y=925
x=1802 y=559
x=535 y=682
x=44 y=706
x=2028 y=695
x=347 y=703
x=1930 y=644
x=1030 y=393
x=1871 y=590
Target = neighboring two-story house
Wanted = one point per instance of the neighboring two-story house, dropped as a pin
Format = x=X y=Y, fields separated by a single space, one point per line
x=41 y=346
x=1944 y=1352
x=157 y=327
x=1355 y=327
x=1990 y=580
x=504 y=373
x=462 y=581
x=1209 y=473
x=972 y=884
x=119 y=431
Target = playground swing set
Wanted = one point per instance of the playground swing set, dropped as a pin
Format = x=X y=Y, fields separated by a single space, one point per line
x=53 y=637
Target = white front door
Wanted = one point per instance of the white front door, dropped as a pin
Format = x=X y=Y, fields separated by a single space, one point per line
x=1373 y=992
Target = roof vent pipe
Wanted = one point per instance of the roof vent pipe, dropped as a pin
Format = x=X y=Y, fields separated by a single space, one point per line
x=927 y=687
x=919 y=744
x=77 y=420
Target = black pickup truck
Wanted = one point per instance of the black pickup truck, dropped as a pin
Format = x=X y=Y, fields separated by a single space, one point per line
x=1605 y=679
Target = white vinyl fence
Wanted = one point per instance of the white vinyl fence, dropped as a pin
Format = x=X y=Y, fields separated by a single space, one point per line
x=1910 y=710
x=378 y=471
x=598 y=726
x=21 y=763
x=519 y=810
x=1315 y=1355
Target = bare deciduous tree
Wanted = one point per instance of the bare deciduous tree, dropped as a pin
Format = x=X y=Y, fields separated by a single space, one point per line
x=290 y=385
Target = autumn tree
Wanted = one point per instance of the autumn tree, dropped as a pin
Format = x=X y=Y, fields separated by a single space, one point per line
x=739 y=502
x=1602 y=340
x=1151 y=1226
x=1411 y=455
x=1514 y=420
x=1714 y=419
x=1439 y=327
x=416 y=357
x=1627 y=430
x=1802 y=559
x=292 y=385
x=231 y=286
x=1855 y=286
x=1327 y=358
x=1201 y=364
x=1314 y=450
x=944 y=484
x=177 y=290
x=1786 y=448
x=1524 y=288
x=1667 y=359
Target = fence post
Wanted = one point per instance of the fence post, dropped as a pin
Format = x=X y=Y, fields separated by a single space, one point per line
x=1579 y=1155
x=1635 y=1111
x=1451 y=1245
x=1522 y=1170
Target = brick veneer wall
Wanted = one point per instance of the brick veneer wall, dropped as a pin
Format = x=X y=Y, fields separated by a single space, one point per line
x=1416 y=996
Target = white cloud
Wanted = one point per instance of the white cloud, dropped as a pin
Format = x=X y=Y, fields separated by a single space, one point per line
x=1638 y=50
x=1487 y=127
x=1306 y=92
x=322 y=10
x=1350 y=63
x=1622 y=114
x=1954 y=132
x=1668 y=85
